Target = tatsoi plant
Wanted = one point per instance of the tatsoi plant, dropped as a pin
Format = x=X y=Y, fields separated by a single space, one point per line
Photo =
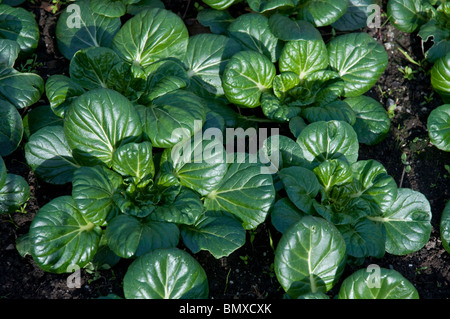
x=303 y=76
x=123 y=201
x=351 y=209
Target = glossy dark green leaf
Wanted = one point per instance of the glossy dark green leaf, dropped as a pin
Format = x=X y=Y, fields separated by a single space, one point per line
x=61 y=91
x=220 y=4
x=247 y=75
x=62 y=238
x=407 y=222
x=199 y=163
x=11 y=128
x=359 y=59
x=252 y=32
x=99 y=122
x=377 y=283
x=274 y=109
x=90 y=68
x=310 y=257
x=172 y=118
x=406 y=15
x=111 y=9
x=372 y=121
x=78 y=27
x=246 y=191
x=284 y=214
x=322 y=12
x=438 y=125
x=217 y=20
x=150 y=36
x=216 y=232
x=440 y=77
x=20 y=25
x=333 y=172
x=14 y=193
x=206 y=58
x=40 y=117
x=268 y=5
x=364 y=238
x=93 y=190
x=320 y=141
x=49 y=155
x=129 y=236
x=356 y=16
x=3 y=172
x=140 y=5
x=304 y=57
x=166 y=274
x=9 y=52
x=134 y=160
x=302 y=186
x=337 y=111
x=287 y=29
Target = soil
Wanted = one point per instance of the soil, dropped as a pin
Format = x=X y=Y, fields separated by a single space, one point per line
x=248 y=272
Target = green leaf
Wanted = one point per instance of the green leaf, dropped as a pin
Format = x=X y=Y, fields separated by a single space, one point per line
x=13 y=193
x=3 y=172
x=302 y=186
x=19 y=24
x=93 y=190
x=406 y=15
x=166 y=274
x=333 y=173
x=245 y=191
x=310 y=257
x=185 y=209
x=372 y=121
x=321 y=141
x=276 y=110
x=216 y=232
x=206 y=57
x=134 y=160
x=62 y=238
x=378 y=283
x=364 y=238
x=359 y=59
x=286 y=29
x=61 y=91
x=322 y=12
x=247 y=75
x=355 y=17
x=49 y=155
x=337 y=110
x=90 y=68
x=198 y=163
x=172 y=118
x=217 y=20
x=304 y=57
x=40 y=117
x=11 y=128
x=407 y=222
x=9 y=52
x=109 y=8
x=444 y=227
x=252 y=31
x=19 y=89
x=150 y=36
x=438 y=125
x=129 y=236
x=141 y=5
x=285 y=214
x=267 y=5
x=99 y=122
x=440 y=77
x=78 y=27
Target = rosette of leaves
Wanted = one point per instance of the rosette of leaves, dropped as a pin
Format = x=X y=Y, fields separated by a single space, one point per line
x=130 y=202
x=296 y=74
x=355 y=203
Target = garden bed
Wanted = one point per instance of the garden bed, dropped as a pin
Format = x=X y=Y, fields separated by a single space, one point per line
x=248 y=272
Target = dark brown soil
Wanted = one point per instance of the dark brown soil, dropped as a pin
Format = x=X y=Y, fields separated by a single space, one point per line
x=248 y=272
